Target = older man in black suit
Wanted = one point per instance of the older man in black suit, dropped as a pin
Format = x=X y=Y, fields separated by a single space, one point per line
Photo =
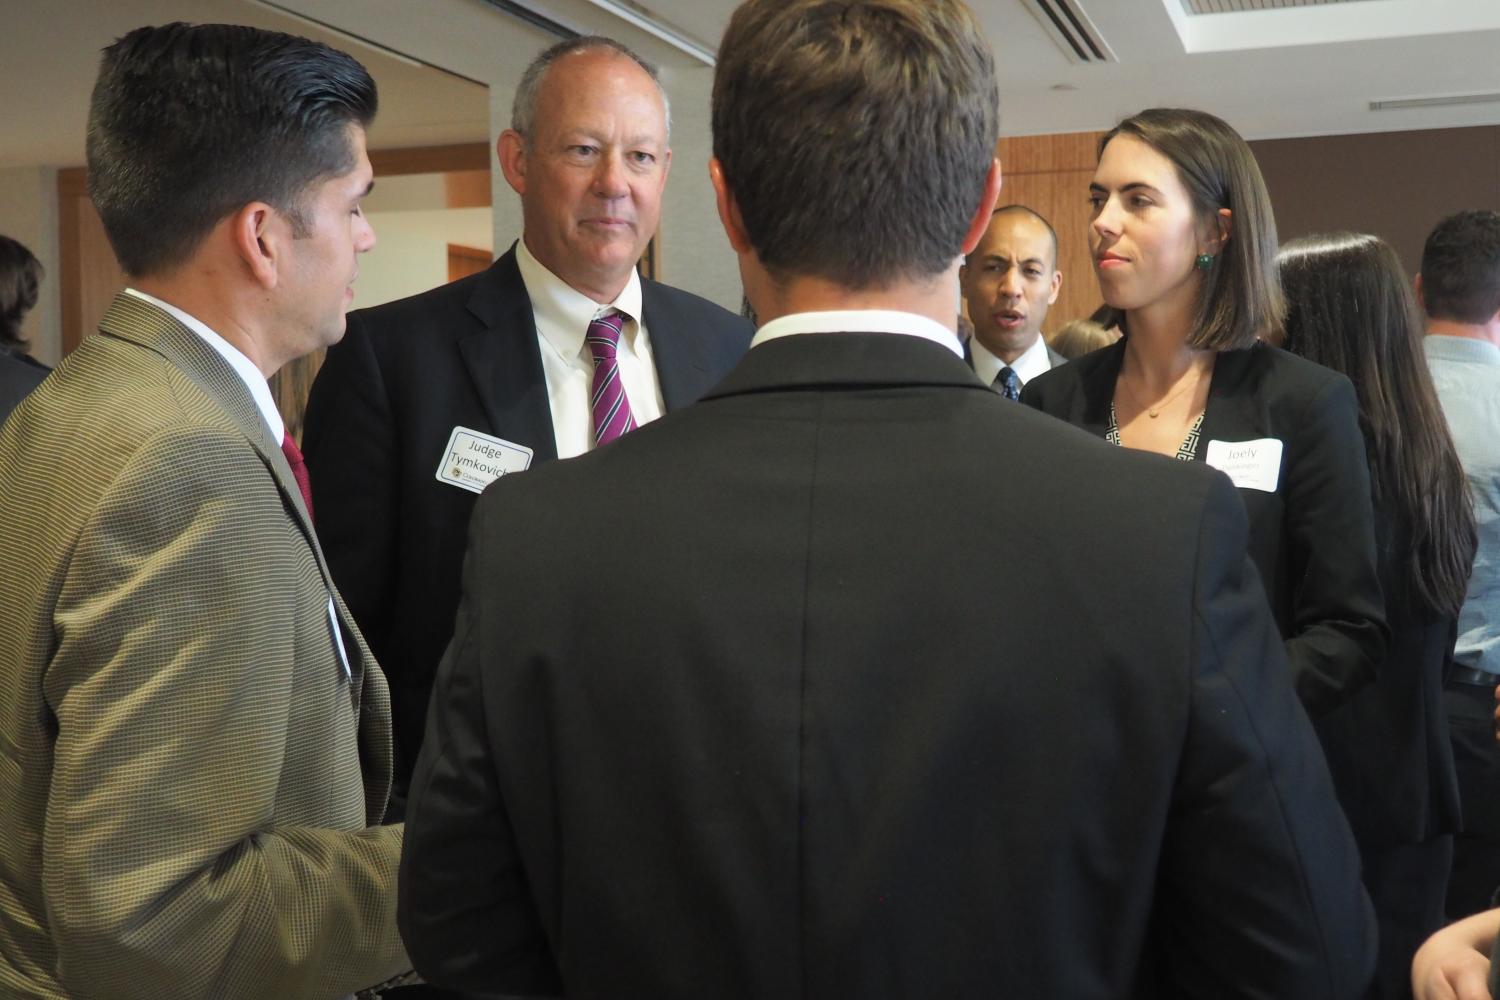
x=745 y=712
x=431 y=398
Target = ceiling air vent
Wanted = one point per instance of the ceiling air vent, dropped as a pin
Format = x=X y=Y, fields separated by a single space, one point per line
x=1244 y=6
x=1071 y=29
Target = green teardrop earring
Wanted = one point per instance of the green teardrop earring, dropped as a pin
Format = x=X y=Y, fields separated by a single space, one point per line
x=1205 y=261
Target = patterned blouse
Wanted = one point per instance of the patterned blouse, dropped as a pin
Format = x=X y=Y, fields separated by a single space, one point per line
x=1186 y=452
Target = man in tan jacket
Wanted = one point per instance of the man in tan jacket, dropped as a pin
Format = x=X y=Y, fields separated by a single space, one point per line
x=194 y=739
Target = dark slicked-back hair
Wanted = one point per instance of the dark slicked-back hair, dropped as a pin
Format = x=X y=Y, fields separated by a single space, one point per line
x=188 y=123
x=20 y=285
x=1461 y=268
x=1241 y=297
x=855 y=134
x=1350 y=308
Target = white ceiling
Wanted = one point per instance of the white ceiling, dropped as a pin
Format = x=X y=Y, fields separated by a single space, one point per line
x=1272 y=73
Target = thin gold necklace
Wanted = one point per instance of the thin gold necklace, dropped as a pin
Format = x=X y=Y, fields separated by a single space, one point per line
x=1155 y=411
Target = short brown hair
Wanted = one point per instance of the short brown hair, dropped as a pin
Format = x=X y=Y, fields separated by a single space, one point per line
x=1461 y=268
x=855 y=135
x=1241 y=299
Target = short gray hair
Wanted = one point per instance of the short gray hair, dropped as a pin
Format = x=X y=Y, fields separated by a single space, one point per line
x=523 y=108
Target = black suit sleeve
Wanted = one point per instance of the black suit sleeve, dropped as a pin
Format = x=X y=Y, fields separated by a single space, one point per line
x=464 y=906
x=349 y=439
x=1260 y=873
x=1338 y=633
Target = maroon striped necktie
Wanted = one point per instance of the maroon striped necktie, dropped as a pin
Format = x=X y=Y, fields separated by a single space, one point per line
x=612 y=416
x=299 y=470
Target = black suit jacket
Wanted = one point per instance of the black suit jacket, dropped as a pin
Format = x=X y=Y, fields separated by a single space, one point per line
x=19 y=374
x=781 y=724
x=1313 y=539
x=380 y=415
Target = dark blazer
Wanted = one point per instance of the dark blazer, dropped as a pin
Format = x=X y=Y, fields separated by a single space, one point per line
x=19 y=374
x=824 y=738
x=381 y=412
x=1313 y=539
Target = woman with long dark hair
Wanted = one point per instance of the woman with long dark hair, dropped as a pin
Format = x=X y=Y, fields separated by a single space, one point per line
x=1184 y=247
x=1350 y=308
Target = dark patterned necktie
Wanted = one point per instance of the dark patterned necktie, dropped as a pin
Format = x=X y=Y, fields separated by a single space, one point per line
x=612 y=416
x=1008 y=383
x=299 y=470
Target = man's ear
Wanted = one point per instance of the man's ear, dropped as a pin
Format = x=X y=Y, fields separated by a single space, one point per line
x=1056 y=287
x=729 y=209
x=258 y=234
x=1416 y=287
x=510 y=148
x=980 y=223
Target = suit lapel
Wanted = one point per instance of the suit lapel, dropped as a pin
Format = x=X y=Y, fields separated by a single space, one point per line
x=681 y=368
x=1230 y=414
x=1096 y=388
x=142 y=323
x=505 y=362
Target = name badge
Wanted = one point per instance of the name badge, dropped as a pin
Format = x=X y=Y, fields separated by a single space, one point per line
x=473 y=460
x=1250 y=465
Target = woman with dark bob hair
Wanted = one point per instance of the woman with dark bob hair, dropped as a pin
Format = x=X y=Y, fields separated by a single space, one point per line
x=1350 y=308
x=20 y=282
x=1184 y=248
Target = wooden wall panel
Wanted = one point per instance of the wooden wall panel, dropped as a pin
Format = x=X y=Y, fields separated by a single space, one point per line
x=1036 y=154
x=91 y=274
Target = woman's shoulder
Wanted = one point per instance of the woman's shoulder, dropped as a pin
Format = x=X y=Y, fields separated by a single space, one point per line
x=1281 y=375
x=1288 y=366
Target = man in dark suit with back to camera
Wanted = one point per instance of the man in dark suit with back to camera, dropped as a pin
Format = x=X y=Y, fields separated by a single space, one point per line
x=429 y=399
x=1009 y=282
x=195 y=750
x=742 y=711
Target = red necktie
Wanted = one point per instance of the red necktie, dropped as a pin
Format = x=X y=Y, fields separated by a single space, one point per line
x=299 y=471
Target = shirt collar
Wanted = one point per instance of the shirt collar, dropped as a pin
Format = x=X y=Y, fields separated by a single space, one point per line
x=859 y=321
x=260 y=389
x=1032 y=362
x=563 y=313
x=1461 y=349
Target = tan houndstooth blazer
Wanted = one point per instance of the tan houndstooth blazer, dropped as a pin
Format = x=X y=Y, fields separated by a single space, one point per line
x=189 y=785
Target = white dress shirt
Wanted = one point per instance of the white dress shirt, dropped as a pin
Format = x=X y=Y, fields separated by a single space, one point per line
x=562 y=316
x=1032 y=362
x=859 y=321
x=260 y=391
